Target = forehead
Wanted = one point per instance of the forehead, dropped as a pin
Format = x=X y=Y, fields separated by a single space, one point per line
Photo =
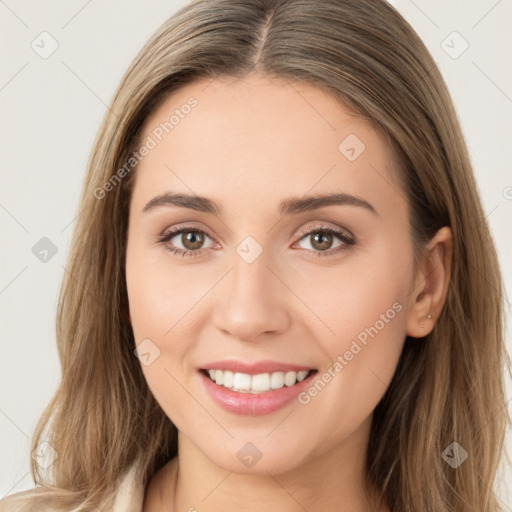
x=244 y=140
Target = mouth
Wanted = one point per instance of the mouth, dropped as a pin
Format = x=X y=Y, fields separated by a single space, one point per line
x=256 y=384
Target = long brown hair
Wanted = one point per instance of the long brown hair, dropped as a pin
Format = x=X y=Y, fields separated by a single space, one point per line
x=448 y=387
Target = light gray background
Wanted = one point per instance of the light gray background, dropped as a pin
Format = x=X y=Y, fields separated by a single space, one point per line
x=51 y=109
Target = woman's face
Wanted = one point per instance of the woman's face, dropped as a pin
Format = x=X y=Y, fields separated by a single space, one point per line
x=270 y=275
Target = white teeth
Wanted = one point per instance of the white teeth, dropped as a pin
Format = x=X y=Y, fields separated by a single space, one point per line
x=260 y=383
x=302 y=375
x=277 y=380
x=241 y=380
x=290 y=378
x=228 y=379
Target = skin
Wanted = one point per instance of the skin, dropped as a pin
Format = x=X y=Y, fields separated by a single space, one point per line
x=247 y=145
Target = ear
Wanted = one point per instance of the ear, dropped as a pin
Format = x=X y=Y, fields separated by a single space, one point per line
x=430 y=285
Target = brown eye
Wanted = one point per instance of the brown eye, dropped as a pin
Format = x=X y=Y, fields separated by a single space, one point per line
x=326 y=241
x=192 y=240
x=185 y=241
x=321 y=241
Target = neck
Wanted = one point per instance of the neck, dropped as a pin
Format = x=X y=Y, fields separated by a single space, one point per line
x=192 y=482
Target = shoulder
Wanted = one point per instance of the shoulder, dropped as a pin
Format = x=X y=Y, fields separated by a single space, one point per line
x=40 y=499
x=27 y=501
x=126 y=497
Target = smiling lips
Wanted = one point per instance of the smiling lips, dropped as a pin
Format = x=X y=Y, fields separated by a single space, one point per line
x=257 y=388
x=255 y=377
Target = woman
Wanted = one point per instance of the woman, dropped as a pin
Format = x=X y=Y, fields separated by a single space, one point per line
x=282 y=293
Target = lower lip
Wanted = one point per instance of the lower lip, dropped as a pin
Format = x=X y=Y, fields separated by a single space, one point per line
x=254 y=404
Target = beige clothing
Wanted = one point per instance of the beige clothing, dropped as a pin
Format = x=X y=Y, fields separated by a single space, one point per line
x=130 y=493
x=129 y=497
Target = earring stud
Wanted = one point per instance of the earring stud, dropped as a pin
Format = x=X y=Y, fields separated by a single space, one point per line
x=429 y=316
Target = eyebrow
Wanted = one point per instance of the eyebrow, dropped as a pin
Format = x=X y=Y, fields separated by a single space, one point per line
x=286 y=207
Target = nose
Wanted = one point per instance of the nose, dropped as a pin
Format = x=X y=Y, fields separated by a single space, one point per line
x=252 y=301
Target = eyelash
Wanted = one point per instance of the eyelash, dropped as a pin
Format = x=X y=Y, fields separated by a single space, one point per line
x=347 y=241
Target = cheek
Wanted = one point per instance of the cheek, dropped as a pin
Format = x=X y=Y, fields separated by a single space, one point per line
x=164 y=302
x=363 y=353
x=363 y=313
x=355 y=294
x=160 y=303
x=160 y=293
x=368 y=332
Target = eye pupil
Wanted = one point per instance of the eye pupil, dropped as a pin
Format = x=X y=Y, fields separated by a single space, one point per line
x=319 y=244
x=194 y=238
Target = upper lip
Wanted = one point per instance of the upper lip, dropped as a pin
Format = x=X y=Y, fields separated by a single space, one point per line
x=254 y=368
